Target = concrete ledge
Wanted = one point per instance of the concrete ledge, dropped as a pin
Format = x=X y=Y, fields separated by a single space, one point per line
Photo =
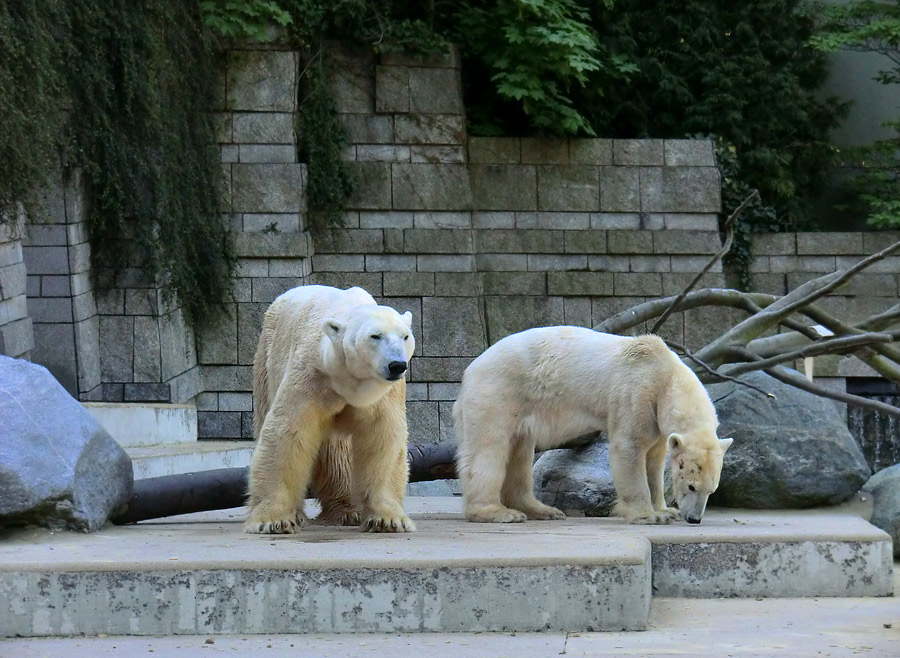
x=174 y=458
x=142 y=424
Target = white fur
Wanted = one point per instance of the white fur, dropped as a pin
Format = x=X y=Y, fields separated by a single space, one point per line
x=329 y=414
x=542 y=387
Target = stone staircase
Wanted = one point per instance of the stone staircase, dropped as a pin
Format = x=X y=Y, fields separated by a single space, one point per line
x=161 y=439
x=200 y=574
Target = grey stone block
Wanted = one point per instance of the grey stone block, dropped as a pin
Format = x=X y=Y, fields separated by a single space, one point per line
x=446 y=392
x=80 y=258
x=590 y=151
x=440 y=369
x=585 y=242
x=368 y=129
x=445 y=263
x=430 y=187
x=260 y=80
x=249 y=325
x=690 y=153
x=435 y=91
x=373 y=185
x=503 y=187
x=178 y=351
x=117 y=356
x=509 y=315
x=84 y=306
x=147 y=360
x=686 y=242
x=674 y=282
x=229 y=153
x=11 y=253
x=111 y=301
x=829 y=243
x=452 y=327
x=422 y=419
x=387 y=219
x=45 y=235
x=141 y=301
x=51 y=285
x=370 y=281
x=251 y=267
x=147 y=392
x=338 y=263
x=545 y=150
x=774 y=244
x=817 y=264
x=620 y=189
x=32 y=285
x=217 y=343
x=406 y=284
x=875 y=241
x=632 y=284
x=207 y=402
x=111 y=393
x=45 y=260
x=16 y=308
x=263 y=128
x=273 y=245
x=382 y=153
x=446 y=220
x=267 y=153
x=693 y=264
x=430 y=129
x=651 y=263
x=568 y=188
x=268 y=188
x=228 y=378
x=514 y=283
x=277 y=223
x=13 y=282
x=349 y=241
x=186 y=386
x=638 y=152
x=680 y=189
x=219 y=425
x=501 y=262
x=42 y=309
x=519 y=241
x=437 y=241
x=630 y=242
x=616 y=221
x=17 y=338
x=290 y=267
x=437 y=154
x=579 y=283
x=691 y=222
x=553 y=220
x=577 y=311
x=266 y=290
x=455 y=284
x=541 y=262
x=871 y=285
x=391 y=89
x=87 y=346
x=493 y=220
x=393 y=241
x=235 y=402
x=495 y=150
x=609 y=263
x=390 y=263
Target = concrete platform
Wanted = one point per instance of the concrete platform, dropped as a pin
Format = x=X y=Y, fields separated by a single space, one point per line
x=174 y=458
x=202 y=575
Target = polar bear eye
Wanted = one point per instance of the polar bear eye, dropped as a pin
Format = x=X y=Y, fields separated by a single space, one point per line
x=375 y=336
x=692 y=487
x=406 y=337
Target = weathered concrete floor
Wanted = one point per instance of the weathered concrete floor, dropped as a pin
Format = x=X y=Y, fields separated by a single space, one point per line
x=700 y=628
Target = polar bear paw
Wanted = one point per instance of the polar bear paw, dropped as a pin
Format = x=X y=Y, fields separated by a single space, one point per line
x=495 y=514
x=545 y=513
x=287 y=526
x=657 y=517
x=344 y=515
x=400 y=523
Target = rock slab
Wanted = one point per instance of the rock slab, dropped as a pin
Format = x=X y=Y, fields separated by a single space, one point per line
x=58 y=467
x=885 y=487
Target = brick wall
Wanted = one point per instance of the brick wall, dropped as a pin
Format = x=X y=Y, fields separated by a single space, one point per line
x=16 y=333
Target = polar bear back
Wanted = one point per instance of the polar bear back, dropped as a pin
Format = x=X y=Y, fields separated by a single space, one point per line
x=560 y=382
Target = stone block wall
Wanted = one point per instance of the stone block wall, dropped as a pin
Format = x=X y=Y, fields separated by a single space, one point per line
x=266 y=204
x=16 y=328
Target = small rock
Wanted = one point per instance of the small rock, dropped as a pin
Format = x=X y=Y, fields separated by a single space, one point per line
x=576 y=480
x=885 y=489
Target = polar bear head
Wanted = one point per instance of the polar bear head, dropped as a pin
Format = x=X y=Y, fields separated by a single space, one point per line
x=695 y=463
x=376 y=342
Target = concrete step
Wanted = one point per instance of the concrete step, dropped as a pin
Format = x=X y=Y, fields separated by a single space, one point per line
x=175 y=458
x=146 y=423
x=200 y=574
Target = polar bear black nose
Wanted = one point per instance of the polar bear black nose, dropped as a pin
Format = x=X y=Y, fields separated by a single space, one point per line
x=397 y=368
x=692 y=519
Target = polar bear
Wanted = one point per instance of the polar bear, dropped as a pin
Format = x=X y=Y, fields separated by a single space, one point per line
x=541 y=387
x=330 y=412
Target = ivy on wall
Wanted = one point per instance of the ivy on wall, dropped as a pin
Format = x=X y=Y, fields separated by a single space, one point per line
x=125 y=89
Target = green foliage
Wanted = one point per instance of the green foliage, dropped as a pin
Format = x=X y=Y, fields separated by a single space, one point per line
x=137 y=79
x=874 y=186
x=30 y=90
x=739 y=70
x=524 y=59
x=248 y=20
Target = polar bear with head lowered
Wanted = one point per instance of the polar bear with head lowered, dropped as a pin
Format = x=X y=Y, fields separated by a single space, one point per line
x=330 y=411
x=542 y=387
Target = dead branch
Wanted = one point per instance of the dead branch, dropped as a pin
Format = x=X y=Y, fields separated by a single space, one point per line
x=726 y=247
x=715 y=374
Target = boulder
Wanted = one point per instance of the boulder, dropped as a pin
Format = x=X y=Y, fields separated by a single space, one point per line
x=58 y=467
x=885 y=489
x=791 y=452
x=576 y=480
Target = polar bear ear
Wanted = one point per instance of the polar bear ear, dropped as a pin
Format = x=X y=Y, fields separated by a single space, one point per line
x=725 y=444
x=407 y=318
x=675 y=442
x=334 y=329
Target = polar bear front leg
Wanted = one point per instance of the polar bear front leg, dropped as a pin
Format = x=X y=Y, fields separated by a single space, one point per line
x=518 y=488
x=656 y=465
x=281 y=467
x=380 y=471
x=628 y=466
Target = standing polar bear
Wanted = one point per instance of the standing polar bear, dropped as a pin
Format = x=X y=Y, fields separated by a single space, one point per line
x=330 y=411
x=541 y=387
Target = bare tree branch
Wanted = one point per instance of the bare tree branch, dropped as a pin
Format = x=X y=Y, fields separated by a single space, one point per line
x=726 y=247
x=804 y=384
x=715 y=374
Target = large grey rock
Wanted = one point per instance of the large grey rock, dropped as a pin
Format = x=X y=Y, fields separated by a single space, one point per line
x=576 y=480
x=885 y=488
x=791 y=452
x=58 y=467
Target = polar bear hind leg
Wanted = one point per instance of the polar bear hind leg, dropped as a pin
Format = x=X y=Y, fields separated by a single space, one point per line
x=332 y=478
x=518 y=487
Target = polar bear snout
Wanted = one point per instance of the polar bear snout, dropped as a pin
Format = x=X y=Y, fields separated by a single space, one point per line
x=396 y=370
